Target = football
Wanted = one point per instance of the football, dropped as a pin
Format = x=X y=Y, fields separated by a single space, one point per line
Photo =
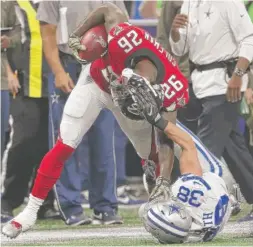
x=95 y=41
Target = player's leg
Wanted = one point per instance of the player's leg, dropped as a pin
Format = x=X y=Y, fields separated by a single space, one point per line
x=68 y=187
x=5 y=104
x=138 y=132
x=120 y=142
x=80 y=112
x=19 y=159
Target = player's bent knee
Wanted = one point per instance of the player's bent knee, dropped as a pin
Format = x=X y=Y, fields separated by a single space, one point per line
x=78 y=103
x=71 y=131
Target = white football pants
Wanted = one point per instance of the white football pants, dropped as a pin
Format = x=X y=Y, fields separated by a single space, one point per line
x=83 y=107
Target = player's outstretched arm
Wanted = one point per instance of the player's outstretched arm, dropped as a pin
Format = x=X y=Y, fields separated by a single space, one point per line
x=108 y=14
x=189 y=162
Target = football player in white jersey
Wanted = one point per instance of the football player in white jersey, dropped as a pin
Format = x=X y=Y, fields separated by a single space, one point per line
x=208 y=162
x=198 y=205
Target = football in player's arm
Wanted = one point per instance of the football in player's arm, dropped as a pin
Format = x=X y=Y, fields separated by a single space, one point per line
x=111 y=16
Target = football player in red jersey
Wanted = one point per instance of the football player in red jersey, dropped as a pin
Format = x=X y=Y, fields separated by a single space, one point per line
x=103 y=83
x=132 y=47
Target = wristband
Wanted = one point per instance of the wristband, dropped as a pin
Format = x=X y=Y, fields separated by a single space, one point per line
x=161 y=123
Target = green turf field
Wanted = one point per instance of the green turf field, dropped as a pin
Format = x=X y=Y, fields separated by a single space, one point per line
x=131 y=233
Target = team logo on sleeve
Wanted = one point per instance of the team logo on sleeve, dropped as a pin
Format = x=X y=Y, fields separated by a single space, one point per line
x=117 y=30
x=181 y=101
x=172 y=107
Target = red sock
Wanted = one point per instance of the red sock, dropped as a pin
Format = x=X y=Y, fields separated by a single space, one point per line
x=50 y=169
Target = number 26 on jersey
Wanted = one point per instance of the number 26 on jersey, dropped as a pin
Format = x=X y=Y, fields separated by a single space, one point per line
x=129 y=41
x=171 y=87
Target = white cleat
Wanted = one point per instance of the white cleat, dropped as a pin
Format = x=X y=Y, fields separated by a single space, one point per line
x=21 y=223
x=12 y=229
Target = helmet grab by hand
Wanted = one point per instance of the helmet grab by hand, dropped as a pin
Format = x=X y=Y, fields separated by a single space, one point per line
x=148 y=98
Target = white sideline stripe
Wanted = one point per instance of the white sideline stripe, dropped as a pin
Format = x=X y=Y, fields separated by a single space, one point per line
x=6 y=153
x=167 y=227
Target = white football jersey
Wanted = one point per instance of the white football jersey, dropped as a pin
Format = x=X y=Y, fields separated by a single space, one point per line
x=206 y=199
x=208 y=162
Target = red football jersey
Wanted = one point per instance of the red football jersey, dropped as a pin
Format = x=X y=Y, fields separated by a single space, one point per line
x=128 y=44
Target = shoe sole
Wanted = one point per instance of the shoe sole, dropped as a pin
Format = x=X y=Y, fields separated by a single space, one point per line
x=101 y=222
x=113 y=222
x=82 y=222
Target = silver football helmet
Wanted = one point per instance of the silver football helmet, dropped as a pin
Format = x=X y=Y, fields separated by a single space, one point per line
x=167 y=221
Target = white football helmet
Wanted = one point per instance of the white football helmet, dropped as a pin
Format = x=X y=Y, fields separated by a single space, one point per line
x=166 y=221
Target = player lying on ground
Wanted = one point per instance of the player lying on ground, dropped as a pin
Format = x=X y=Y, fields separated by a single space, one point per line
x=128 y=46
x=208 y=162
x=198 y=205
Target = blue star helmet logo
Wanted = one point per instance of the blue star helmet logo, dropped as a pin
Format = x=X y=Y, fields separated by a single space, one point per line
x=174 y=209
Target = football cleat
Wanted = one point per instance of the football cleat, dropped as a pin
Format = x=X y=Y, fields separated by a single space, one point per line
x=106 y=218
x=12 y=229
x=21 y=223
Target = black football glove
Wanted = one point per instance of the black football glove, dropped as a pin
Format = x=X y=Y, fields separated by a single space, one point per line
x=148 y=99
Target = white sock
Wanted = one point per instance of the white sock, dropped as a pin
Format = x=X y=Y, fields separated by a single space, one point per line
x=34 y=204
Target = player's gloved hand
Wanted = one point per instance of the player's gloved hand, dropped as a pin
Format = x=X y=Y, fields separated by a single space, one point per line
x=148 y=98
x=161 y=192
x=74 y=43
x=149 y=169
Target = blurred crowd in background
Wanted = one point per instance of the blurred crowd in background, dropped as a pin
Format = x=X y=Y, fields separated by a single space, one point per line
x=37 y=74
